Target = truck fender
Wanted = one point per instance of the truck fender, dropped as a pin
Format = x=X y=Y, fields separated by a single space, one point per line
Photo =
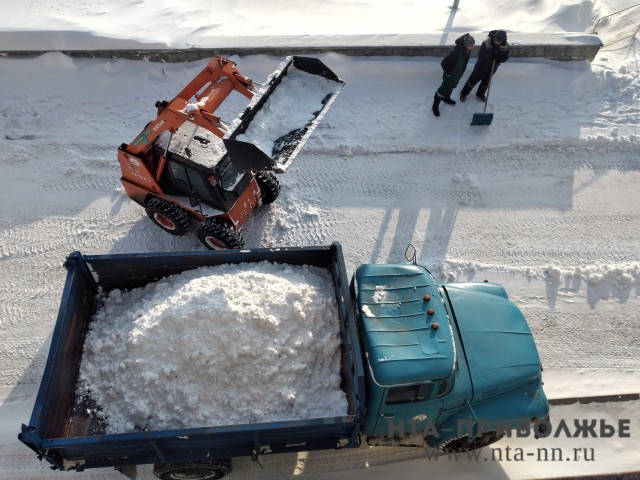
x=488 y=288
x=463 y=433
x=513 y=410
x=446 y=431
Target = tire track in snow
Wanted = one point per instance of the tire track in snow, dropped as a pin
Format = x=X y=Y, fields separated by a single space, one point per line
x=499 y=159
x=78 y=182
x=374 y=202
x=15 y=355
x=568 y=340
x=445 y=180
x=289 y=221
x=523 y=258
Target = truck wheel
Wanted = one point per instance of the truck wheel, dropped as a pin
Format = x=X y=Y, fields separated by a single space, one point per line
x=461 y=444
x=194 y=470
x=216 y=234
x=168 y=216
x=269 y=186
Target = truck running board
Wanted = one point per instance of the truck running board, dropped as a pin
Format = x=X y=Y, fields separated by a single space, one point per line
x=270 y=132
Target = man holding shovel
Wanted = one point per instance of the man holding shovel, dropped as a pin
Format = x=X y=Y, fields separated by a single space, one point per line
x=493 y=51
x=453 y=66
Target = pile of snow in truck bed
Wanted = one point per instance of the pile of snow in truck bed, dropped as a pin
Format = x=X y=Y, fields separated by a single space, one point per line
x=214 y=346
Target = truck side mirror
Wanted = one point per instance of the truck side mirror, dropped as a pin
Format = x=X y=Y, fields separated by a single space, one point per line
x=410 y=254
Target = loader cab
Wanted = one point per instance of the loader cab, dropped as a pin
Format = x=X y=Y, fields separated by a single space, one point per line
x=198 y=167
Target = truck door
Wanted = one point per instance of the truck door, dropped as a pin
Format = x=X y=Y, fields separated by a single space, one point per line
x=408 y=410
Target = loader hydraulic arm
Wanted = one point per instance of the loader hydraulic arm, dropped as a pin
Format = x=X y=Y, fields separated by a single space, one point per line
x=197 y=103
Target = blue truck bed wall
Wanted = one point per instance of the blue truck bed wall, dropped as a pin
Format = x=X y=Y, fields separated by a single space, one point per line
x=67 y=438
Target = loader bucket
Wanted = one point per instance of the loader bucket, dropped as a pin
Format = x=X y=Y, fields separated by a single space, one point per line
x=281 y=117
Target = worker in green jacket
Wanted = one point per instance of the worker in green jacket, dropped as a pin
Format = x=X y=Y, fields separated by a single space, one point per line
x=453 y=66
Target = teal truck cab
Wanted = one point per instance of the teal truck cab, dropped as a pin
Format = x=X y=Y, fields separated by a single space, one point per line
x=450 y=366
x=453 y=364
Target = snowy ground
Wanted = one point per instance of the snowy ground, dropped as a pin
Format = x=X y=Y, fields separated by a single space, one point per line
x=545 y=200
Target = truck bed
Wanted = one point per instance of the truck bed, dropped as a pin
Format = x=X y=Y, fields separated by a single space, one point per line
x=63 y=433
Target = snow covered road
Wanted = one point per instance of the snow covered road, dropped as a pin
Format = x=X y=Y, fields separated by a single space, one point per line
x=514 y=458
x=549 y=222
x=540 y=204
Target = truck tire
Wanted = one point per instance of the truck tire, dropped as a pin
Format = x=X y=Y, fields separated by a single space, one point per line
x=168 y=216
x=194 y=470
x=269 y=186
x=216 y=234
x=461 y=443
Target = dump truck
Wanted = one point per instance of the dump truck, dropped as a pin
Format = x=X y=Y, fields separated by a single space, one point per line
x=189 y=165
x=448 y=366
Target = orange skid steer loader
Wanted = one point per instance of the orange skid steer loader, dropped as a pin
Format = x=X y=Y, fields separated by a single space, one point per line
x=189 y=165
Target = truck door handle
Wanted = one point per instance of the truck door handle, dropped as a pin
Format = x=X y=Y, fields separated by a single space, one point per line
x=388 y=416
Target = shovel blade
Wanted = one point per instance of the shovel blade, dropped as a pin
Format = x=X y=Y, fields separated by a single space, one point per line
x=482 y=119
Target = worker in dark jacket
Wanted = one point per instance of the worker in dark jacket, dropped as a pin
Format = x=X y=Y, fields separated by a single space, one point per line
x=453 y=66
x=493 y=51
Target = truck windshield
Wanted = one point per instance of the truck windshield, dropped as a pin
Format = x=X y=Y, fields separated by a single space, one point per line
x=188 y=181
x=229 y=176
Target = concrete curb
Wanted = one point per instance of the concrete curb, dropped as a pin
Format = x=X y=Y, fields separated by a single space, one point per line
x=563 y=47
x=624 y=397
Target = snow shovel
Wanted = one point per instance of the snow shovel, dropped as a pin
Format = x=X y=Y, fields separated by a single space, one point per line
x=485 y=118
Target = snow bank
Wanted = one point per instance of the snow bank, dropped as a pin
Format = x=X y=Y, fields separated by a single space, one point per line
x=223 y=345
